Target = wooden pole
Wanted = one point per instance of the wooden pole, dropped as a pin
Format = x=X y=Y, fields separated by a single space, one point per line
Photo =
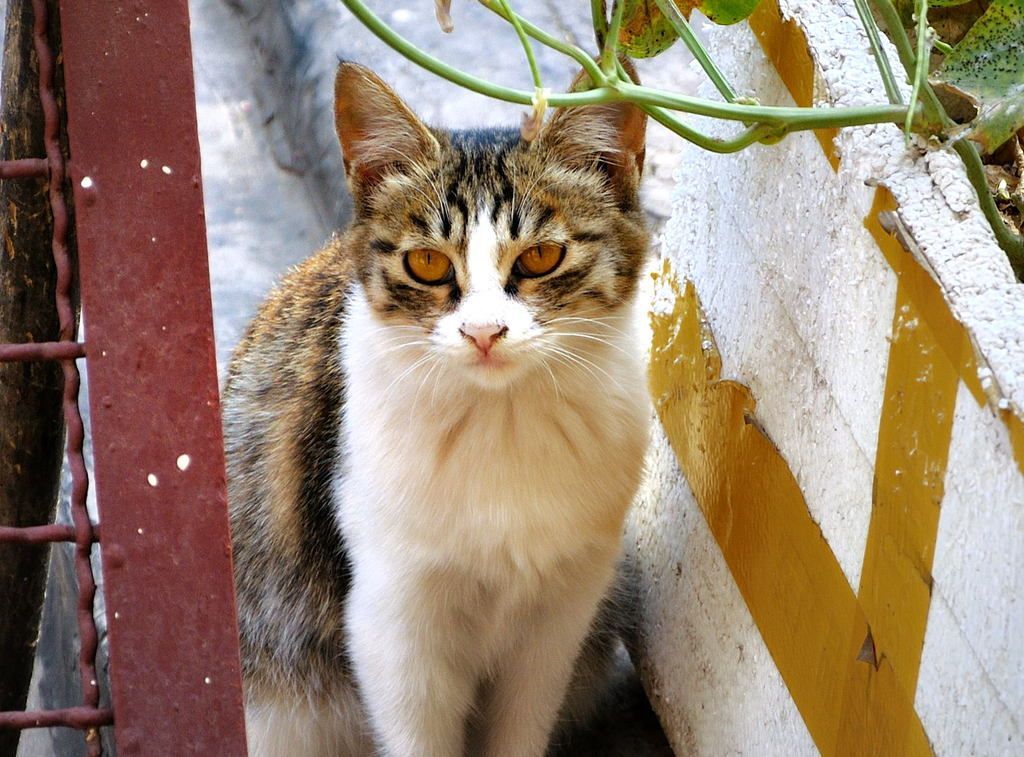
x=31 y=422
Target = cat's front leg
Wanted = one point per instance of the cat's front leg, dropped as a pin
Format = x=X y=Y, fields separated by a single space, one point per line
x=529 y=688
x=410 y=664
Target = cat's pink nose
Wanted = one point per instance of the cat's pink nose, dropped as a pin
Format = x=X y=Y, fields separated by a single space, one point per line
x=483 y=335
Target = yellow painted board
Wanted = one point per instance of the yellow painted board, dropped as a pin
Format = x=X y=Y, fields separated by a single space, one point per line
x=796 y=591
x=925 y=296
x=914 y=435
x=850 y=661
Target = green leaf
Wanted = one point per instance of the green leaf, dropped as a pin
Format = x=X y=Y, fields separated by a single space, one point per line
x=646 y=32
x=727 y=11
x=947 y=3
x=987 y=67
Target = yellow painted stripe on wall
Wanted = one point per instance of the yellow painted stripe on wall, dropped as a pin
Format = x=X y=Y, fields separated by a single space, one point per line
x=1016 y=436
x=950 y=335
x=914 y=436
x=811 y=622
x=915 y=432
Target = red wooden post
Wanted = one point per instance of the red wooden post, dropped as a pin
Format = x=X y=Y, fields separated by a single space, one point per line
x=159 y=462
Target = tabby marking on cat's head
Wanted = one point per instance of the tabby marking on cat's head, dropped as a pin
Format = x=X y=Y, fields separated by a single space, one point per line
x=494 y=252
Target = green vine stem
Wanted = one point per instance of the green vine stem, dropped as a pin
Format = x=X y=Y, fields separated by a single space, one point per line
x=600 y=22
x=941 y=46
x=682 y=27
x=713 y=144
x=585 y=60
x=793 y=119
x=920 y=79
x=531 y=59
x=745 y=138
x=936 y=120
x=610 y=51
x=1011 y=243
x=867 y=19
x=474 y=83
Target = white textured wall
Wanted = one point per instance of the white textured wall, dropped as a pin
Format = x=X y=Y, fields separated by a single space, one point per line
x=971 y=691
x=800 y=301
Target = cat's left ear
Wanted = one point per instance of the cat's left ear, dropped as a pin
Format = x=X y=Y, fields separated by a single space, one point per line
x=378 y=132
x=610 y=136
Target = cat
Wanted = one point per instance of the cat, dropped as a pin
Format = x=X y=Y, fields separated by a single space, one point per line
x=434 y=429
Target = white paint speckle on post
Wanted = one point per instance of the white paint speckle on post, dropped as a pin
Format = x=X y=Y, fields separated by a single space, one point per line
x=86 y=182
x=183 y=462
x=152 y=479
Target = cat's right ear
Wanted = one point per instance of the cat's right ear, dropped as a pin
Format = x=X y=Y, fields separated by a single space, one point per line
x=609 y=137
x=378 y=132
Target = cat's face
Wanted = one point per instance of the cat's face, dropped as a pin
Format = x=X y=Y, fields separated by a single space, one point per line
x=485 y=253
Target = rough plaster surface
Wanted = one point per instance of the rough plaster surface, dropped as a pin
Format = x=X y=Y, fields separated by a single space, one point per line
x=971 y=691
x=260 y=218
x=936 y=203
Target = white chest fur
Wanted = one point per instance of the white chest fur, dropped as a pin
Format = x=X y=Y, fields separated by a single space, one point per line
x=441 y=472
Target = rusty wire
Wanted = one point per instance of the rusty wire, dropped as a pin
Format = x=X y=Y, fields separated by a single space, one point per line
x=54 y=532
x=89 y=716
x=26 y=168
x=17 y=353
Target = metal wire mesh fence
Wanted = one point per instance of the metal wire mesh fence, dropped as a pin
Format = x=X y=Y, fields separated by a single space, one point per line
x=144 y=283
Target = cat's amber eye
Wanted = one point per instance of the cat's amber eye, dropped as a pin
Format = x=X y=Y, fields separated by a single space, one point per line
x=539 y=260
x=429 y=266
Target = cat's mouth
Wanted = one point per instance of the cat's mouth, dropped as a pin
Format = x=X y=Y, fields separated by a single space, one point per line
x=491 y=370
x=490 y=361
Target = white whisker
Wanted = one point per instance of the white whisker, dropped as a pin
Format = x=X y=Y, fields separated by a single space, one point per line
x=554 y=381
x=595 y=338
x=433 y=392
x=424 y=380
x=574 y=366
x=592 y=364
x=403 y=374
x=595 y=321
x=403 y=345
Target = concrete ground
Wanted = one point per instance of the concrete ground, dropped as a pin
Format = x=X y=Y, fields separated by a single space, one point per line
x=259 y=217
